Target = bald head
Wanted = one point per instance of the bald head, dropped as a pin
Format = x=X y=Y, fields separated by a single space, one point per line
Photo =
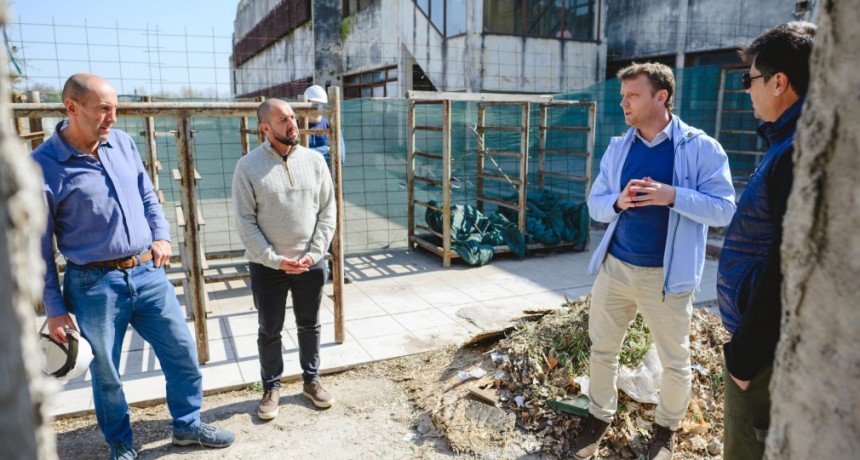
x=81 y=86
x=264 y=111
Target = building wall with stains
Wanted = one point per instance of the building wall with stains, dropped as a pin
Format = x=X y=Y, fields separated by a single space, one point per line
x=636 y=29
x=396 y=32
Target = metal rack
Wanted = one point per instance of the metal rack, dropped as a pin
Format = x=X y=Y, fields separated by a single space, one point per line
x=519 y=181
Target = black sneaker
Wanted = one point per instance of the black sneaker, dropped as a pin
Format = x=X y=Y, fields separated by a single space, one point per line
x=590 y=435
x=663 y=445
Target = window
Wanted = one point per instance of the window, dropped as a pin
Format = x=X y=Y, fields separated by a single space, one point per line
x=374 y=83
x=351 y=7
x=565 y=19
x=447 y=16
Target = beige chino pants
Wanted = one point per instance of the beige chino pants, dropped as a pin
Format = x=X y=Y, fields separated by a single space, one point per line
x=621 y=288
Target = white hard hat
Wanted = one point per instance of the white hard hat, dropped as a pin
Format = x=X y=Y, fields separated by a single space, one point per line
x=65 y=360
x=316 y=93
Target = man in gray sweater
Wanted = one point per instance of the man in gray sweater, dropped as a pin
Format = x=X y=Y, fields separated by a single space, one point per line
x=285 y=211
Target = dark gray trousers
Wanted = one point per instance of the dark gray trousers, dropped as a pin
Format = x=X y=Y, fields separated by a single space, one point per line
x=270 y=288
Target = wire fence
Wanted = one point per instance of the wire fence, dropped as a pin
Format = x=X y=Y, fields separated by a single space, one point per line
x=149 y=61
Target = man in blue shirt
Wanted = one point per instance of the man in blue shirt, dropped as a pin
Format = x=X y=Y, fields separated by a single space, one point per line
x=749 y=279
x=660 y=186
x=112 y=231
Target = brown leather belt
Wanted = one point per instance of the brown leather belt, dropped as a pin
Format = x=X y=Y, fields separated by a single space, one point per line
x=124 y=263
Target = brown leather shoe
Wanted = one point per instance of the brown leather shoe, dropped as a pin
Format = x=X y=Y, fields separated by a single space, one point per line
x=663 y=445
x=590 y=435
x=317 y=394
x=268 y=408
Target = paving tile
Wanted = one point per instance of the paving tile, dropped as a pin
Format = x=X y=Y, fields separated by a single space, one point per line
x=349 y=353
x=69 y=401
x=390 y=346
x=374 y=327
x=424 y=319
x=240 y=324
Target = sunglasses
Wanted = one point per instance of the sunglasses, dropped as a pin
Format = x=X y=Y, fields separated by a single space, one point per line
x=747 y=80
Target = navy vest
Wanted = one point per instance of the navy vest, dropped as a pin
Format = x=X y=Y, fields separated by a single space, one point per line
x=750 y=233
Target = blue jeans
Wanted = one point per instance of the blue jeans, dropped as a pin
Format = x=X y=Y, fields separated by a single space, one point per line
x=270 y=288
x=105 y=302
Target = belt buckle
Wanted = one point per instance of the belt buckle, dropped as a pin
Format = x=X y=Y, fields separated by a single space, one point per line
x=120 y=263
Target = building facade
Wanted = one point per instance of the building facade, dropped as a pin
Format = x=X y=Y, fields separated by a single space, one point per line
x=688 y=33
x=383 y=48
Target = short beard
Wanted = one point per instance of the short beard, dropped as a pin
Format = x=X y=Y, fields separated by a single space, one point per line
x=286 y=140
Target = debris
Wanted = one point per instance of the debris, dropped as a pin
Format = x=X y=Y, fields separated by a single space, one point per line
x=499 y=358
x=411 y=437
x=538 y=374
x=488 y=336
x=475 y=373
x=643 y=383
x=483 y=395
x=583 y=382
x=578 y=406
x=701 y=369
x=519 y=400
x=715 y=447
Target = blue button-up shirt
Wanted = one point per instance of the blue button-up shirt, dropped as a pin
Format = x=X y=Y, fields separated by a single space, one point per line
x=99 y=210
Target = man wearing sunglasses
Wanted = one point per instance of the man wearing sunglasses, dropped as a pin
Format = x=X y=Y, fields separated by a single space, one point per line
x=749 y=278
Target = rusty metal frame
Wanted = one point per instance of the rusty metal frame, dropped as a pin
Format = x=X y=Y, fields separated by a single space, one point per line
x=183 y=112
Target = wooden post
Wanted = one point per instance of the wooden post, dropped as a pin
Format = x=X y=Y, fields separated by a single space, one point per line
x=446 y=183
x=149 y=133
x=410 y=174
x=524 y=167
x=337 y=242
x=36 y=123
x=196 y=293
x=243 y=135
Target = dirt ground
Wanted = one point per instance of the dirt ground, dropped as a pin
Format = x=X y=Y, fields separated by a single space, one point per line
x=431 y=406
x=373 y=418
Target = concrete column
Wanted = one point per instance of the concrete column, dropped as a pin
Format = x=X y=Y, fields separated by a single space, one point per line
x=327 y=18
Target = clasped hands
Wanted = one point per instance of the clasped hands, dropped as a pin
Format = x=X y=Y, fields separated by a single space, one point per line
x=645 y=192
x=295 y=267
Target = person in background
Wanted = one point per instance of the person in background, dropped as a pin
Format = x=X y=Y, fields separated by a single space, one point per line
x=321 y=142
x=749 y=277
x=112 y=231
x=284 y=205
x=660 y=186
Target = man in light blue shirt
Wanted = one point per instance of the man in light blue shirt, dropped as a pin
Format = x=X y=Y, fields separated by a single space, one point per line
x=660 y=186
x=112 y=231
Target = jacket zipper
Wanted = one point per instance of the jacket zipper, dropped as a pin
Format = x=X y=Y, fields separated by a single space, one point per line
x=287 y=167
x=674 y=230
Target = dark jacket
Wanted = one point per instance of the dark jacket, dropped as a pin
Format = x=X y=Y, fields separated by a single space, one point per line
x=749 y=278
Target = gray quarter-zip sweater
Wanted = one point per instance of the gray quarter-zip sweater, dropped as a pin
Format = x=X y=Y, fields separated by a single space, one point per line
x=284 y=207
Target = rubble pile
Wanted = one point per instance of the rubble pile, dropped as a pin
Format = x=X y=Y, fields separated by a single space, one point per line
x=523 y=391
x=547 y=361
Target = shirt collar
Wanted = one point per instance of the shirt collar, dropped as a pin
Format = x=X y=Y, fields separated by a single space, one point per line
x=666 y=133
x=62 y=147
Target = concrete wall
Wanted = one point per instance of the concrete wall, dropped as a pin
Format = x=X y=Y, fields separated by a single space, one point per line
x=396 y=32
x=249 y=13
x=635 y=28
x=286 y=60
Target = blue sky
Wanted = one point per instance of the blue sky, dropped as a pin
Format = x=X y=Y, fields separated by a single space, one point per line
x=142 y=47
